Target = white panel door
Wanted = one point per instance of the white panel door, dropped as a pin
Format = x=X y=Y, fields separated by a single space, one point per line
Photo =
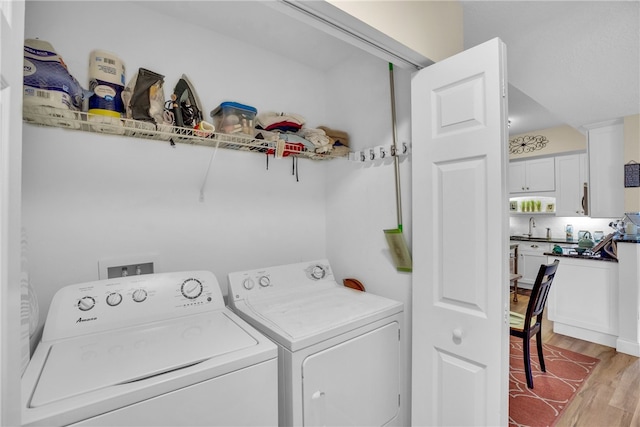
x=11 y=48
x=460 y=292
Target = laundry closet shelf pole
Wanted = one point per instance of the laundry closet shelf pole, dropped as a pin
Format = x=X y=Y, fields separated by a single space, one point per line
x=396 y=162
x=395 y=239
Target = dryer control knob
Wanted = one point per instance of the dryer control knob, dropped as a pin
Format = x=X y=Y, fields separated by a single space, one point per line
x=86 y=303
x=139 y=295
x=318 y=272
x=248 y=283
x=264 y=281
x=114 y=298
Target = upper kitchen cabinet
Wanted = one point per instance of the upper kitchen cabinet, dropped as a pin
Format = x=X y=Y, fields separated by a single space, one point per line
x=606 y=174
x=571 y=185
x=532 y=176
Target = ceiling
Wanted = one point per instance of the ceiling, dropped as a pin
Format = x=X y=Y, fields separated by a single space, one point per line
x=569 y=62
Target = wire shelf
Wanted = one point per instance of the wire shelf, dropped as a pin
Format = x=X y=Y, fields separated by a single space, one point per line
x=77 y=120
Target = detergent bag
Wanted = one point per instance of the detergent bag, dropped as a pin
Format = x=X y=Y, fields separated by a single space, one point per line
x=47 y=81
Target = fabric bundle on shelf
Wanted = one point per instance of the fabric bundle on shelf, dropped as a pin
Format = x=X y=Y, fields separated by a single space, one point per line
x=284 y=122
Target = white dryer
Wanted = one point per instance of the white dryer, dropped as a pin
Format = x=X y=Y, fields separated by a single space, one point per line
x=339 y=349
x=158 y=349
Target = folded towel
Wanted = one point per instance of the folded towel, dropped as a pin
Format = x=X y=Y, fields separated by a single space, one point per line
x=336 y=135
x=318 y=138
x=268 y=118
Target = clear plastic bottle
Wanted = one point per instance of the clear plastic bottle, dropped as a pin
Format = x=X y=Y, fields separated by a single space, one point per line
x=569 y=231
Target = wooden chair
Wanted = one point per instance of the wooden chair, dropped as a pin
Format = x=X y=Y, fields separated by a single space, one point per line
x=530 y=324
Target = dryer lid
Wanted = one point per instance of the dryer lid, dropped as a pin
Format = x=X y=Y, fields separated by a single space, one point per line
x=302 y=313
x=77 y=366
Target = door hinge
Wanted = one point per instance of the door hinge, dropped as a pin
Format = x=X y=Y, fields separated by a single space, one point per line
x=398 y=401
x=398 y=334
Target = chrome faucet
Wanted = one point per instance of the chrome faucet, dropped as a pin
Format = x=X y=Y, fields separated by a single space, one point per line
x=532 y=225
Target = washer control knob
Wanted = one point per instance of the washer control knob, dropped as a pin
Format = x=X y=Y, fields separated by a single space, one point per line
x=191 y=288
x=139 y=295
x=264 y=281
x=318 y=272
x=114 y=298
x=248 y=283
x=86 y=303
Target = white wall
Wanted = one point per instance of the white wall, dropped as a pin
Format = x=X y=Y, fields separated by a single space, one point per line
x=89 y=197
x=440 y=22
x=361 y=199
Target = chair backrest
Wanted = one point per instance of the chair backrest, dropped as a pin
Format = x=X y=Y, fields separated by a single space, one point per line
x=540 y=291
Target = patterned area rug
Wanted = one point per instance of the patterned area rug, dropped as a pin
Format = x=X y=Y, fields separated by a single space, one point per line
x=553 y=390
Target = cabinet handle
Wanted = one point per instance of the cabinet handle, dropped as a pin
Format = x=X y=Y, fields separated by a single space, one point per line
x=534 y=246
x=585 y=199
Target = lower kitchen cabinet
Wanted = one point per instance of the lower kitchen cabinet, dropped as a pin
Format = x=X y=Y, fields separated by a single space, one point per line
x=583 y=301
x=530 y=258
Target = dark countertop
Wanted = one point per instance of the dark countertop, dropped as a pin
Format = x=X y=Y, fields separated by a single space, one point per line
x=585 y=257
x=627 y=238
x=521 y=238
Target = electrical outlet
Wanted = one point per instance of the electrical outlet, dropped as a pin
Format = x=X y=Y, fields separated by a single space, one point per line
x=128 y=265
x=130 y=270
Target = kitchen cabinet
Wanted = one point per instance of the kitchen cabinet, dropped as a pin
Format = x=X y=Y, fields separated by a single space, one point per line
x=530 y=257
x=583 y=300
x=531 y=176
x=571 y=181
x=605 y=145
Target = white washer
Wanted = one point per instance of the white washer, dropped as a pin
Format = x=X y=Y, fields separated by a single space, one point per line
x=158 y=349
x=338 y=348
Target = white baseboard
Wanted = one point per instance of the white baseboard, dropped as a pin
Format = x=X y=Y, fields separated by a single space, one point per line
x=585 y=334
x=628 y=347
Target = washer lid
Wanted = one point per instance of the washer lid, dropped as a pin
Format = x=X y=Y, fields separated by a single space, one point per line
x=94 y=362
x=302 y=313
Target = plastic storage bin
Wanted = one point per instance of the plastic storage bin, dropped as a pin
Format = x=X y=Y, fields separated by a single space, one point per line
x=232 y=118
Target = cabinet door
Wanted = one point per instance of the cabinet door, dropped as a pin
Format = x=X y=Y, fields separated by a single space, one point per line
x=606 y=174
x=584 y=294
x=570 y=181
x=516 y=177
x=528 y=266
x=528 y=176
x=540 y=175
x=530 y=259
x=354 y=383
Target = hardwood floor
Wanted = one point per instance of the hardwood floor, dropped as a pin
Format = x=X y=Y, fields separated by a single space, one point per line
x=611 y=395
